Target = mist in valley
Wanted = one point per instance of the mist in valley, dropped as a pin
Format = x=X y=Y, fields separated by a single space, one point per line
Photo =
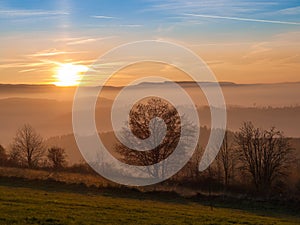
x=49 y=109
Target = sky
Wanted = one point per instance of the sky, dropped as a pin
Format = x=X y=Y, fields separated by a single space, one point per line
x=241 y=41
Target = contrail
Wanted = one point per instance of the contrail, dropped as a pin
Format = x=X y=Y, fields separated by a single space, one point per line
x=243 y=19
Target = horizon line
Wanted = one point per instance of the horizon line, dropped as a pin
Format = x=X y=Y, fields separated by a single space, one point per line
x=179 y=81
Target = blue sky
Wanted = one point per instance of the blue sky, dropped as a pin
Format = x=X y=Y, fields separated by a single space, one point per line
x=32 y=27
x=45 y=15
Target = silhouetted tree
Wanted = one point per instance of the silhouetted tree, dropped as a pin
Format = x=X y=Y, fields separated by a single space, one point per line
x=142 y=126
x=190 y=171
x=27 y=147
x=57 y=158
x=227 y=159
x=264 y=154
x=3 y=156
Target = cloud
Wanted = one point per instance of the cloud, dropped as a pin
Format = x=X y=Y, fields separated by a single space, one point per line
x=290 y=11
x=114 y=26
x=103 y=17
x=28 y=13
x=68 y=39
x=244 y=10
x=26 y=70
x=41 y=61
x=208 y=6
x=34 y=65
x=82 y=41
x=282 y=49
x=84 y=62
x=88 y=40
x=24 y=64
x=221 y=44
x=51 y=52
x=259 y=48
x=130 y=25
x=242 y=19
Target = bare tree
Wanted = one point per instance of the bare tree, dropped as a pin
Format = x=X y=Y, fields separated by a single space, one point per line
x=265 y=154
x=190 y=171
x=57 y=157
x=27 y=147
x=3 y=156
x=141 y=117
x=227 y=159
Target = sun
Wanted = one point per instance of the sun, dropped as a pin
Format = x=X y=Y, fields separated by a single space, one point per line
x=69 y=74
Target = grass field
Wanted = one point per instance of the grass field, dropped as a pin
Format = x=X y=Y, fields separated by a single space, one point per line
x=41 y=202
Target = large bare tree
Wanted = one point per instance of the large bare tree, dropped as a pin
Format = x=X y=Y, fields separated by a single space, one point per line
x=265 y=154
x=27 y=147
x=142 y=127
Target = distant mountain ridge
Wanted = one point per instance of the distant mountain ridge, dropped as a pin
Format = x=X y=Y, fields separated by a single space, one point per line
x=222 y=83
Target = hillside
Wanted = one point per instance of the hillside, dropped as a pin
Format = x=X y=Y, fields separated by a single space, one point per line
x=54 y=118
x=48 y=202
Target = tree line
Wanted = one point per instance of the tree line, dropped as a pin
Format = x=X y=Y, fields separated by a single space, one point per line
x=28 y=150
x=252 y=158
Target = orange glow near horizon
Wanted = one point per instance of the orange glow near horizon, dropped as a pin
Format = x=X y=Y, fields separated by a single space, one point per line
x=69 y=74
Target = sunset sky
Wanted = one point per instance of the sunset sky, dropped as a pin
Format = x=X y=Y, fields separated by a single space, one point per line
x=242 y=41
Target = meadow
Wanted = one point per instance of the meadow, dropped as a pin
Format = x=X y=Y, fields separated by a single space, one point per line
x=24 y=201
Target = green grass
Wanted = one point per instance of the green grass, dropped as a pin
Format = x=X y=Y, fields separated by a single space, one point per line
x=34 y=202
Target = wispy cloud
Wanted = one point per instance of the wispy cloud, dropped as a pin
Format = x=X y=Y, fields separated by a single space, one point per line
x=82 y=41
x=67 y=39
x=88 y=40
x=221 y=44
x=28 y=13
x=51 y=52
x=24 y=64
x=27 y=70
x=282 y=49
x=208 y=6
x=242 y=19
x=244 y=10
x=259 y=48
x=39 y=65
x=130 y=25
x=290 y=11
x=103 y=17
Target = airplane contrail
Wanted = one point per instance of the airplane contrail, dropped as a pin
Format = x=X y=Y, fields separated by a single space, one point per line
x=243 y=19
